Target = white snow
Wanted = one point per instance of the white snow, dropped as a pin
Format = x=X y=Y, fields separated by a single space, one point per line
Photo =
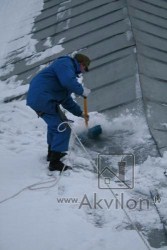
x=42 y=55
x=48 y=42
x=31 y=218
x=12 y=88
x=16 y=23
x=34 y=219
x=129 y=35
x=138 y=85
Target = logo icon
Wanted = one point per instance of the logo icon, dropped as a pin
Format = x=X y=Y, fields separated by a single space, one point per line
x=116 y=171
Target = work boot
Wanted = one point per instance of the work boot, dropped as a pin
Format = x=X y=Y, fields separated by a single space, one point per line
x=56 y=164
x=50 y=152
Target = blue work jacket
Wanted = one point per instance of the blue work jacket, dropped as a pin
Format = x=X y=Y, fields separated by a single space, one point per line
x=54 y=85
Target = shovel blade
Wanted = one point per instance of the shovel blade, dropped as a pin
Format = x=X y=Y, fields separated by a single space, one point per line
x=94 y=132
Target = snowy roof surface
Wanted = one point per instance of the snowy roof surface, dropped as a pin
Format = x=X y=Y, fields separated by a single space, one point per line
x=126 y=41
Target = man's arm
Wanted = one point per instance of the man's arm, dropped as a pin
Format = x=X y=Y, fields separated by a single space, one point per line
x=72 y=106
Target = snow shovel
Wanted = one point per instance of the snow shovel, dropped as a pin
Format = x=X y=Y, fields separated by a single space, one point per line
x=95 y=131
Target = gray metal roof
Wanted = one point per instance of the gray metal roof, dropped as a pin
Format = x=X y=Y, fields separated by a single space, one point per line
x=124 y=38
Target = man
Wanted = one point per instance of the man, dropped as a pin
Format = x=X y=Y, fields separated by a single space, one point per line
x=48 y=89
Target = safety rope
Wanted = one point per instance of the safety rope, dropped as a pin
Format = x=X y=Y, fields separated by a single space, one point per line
x=126 y=213
x=159 y=214
x=55 y=182
x=36 y=186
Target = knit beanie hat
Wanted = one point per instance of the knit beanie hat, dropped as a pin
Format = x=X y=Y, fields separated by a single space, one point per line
x=83 y=60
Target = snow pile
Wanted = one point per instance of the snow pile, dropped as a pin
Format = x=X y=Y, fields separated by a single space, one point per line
x=11 y=88
x=125 y=122
x=23 y=162
x=42 y=55
x=63 y=212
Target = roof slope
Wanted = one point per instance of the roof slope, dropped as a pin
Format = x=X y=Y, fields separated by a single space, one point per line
x=126 y=40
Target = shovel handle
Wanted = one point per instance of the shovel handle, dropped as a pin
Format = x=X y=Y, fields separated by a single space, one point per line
x=86 y=110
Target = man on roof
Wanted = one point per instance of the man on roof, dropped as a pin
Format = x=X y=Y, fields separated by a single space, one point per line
x=50 y=88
